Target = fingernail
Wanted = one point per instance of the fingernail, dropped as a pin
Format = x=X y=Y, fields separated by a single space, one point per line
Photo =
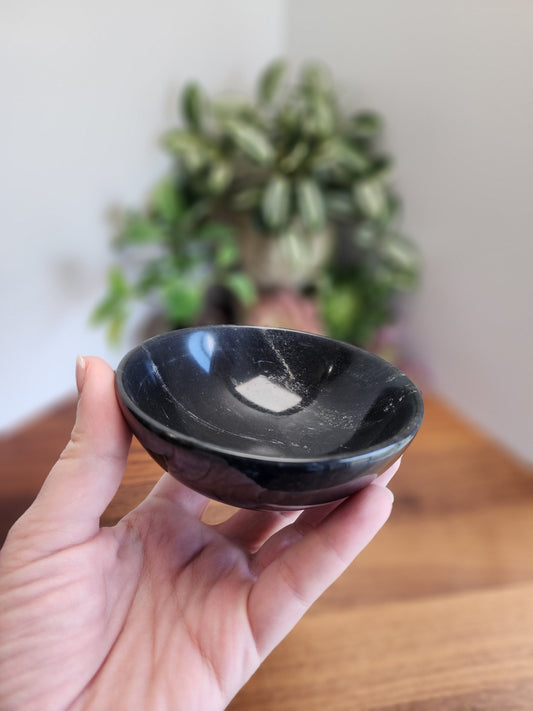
x=80 y=373
x=385 y=478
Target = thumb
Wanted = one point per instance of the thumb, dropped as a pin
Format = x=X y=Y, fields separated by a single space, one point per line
x=88 y=473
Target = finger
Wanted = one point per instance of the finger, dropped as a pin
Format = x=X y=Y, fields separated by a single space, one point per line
x=385 y=478
x=287 y=536
x=300 y=574
x=88 y=472
x=250 y=529
x=308 y=519
x=171 y=490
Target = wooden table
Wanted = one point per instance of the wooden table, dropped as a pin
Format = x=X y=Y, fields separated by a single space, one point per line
x=437 y=614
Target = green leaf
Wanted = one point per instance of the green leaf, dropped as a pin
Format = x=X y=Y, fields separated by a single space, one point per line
x=339 y=204
x=252 y=141
x=365 y=235
x=166 y=201
x=355 y=304
x=366 y=124
x=226 y=256
x=150 y=277
x=219 y=177
x=193 y=106
x=381 y=167
x=216 y=232
x=276 y=202
x=288 y=120
x=106 y=309
x=118 y=284
x=113 y=308
x=270 y=81
x=182 y=300
x=295 y=157
x=247 y=198
x=341 y=152
x=403 y=258
x=242 y=286
x=193 y=149
x=140 y=230
x=341 y=308
x=115 y=327
x=314 y=79
x=311 y=205
x=235 y=108
x=320 y=119
x=371 y=198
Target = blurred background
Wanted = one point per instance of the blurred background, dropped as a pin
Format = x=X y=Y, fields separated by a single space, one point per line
x=89 y=89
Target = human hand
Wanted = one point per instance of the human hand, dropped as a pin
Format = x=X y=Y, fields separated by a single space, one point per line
x=161 y=611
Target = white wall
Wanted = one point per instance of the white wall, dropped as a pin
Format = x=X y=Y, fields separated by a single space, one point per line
x=86 y=89
x=453 y=80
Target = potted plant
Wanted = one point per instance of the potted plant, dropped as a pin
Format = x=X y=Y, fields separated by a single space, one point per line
x=283 y=192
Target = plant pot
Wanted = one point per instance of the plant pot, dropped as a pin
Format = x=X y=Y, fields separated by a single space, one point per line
x=286 y=308
x=291 y=259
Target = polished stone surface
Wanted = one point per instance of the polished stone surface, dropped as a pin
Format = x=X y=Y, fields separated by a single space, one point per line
x=267 y=418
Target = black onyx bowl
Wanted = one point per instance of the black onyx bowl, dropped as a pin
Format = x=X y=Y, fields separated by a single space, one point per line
x=267 y=418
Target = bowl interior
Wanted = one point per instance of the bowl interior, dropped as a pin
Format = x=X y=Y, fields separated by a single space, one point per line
x=268 y=393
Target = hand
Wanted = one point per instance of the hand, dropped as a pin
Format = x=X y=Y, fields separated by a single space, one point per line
x=161 y=611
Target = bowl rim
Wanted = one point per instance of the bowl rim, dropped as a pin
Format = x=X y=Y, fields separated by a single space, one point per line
x=172 y=436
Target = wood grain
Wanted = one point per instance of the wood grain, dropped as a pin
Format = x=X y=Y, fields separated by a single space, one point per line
x=435 y=615
x=387 y=655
